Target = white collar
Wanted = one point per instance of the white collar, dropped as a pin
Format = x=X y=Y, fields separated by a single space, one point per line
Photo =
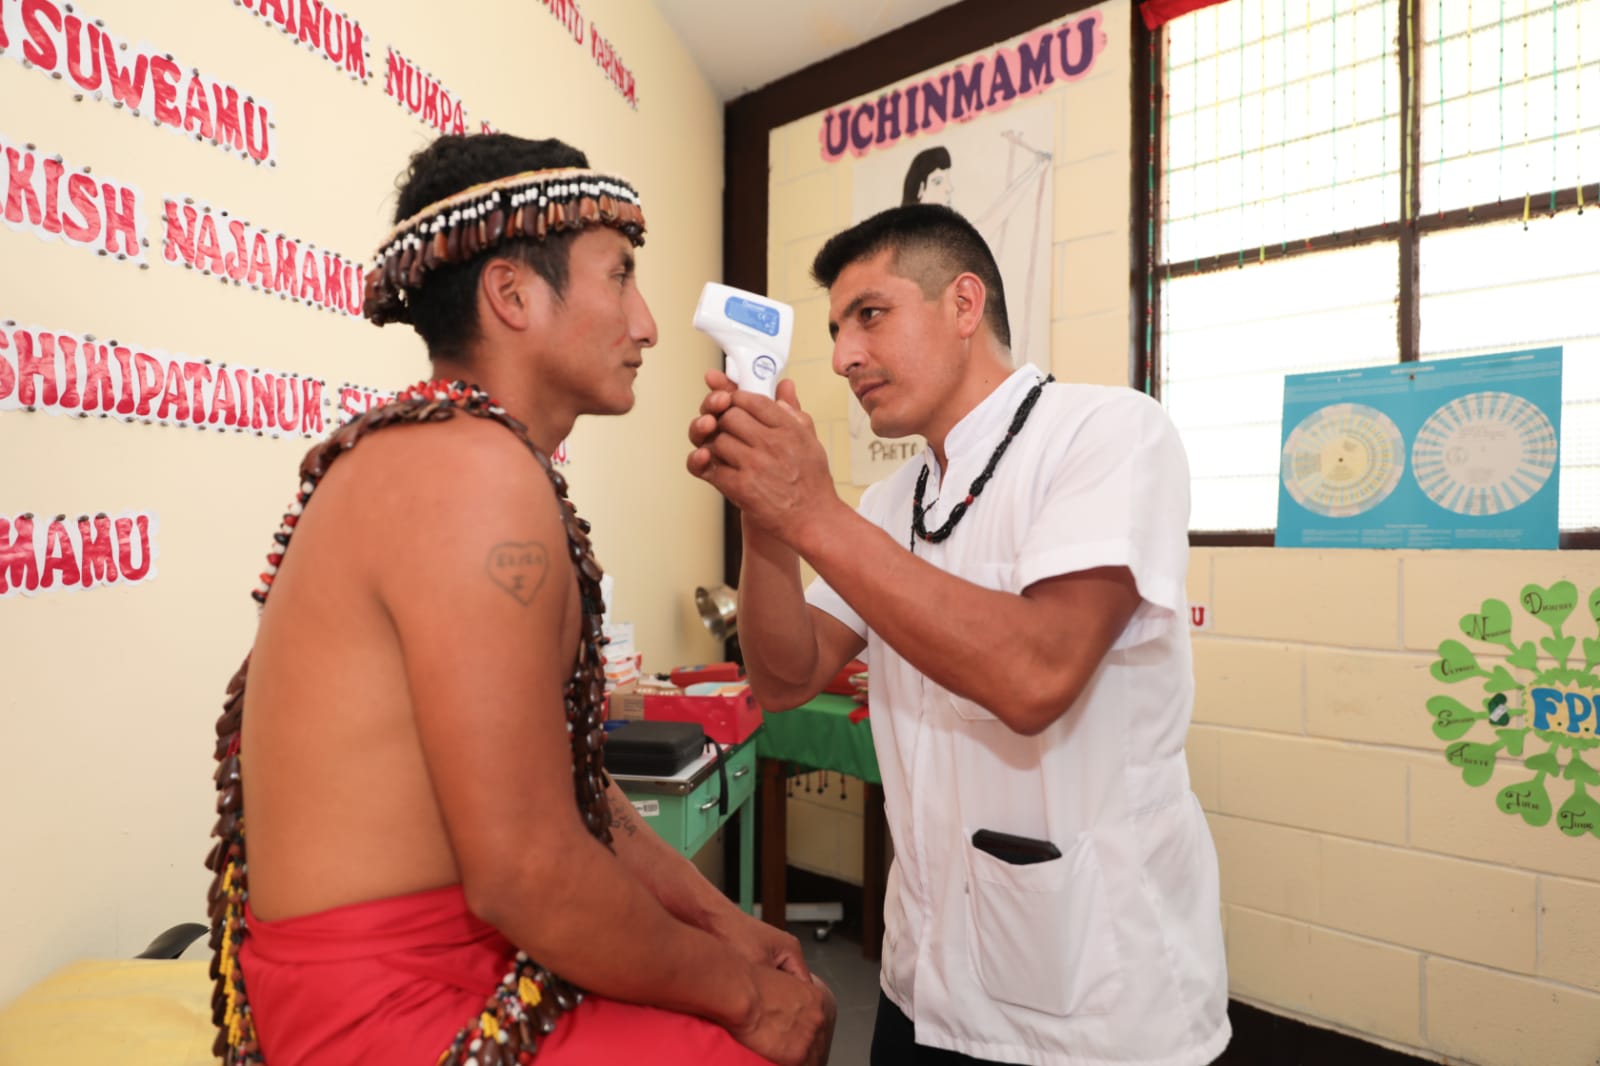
x=979 y=426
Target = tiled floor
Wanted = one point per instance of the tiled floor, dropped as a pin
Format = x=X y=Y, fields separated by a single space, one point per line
x=854 y=981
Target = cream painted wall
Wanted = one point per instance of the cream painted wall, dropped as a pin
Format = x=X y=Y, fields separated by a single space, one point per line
x=1365 y=887
x=110 y=695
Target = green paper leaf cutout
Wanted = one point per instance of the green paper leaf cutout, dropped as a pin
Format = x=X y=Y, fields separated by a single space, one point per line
x=1552 y=605
x=1581 y=772
x=1451 y=718
x=1559 y=648
x=1511 y=740
x=1455 y=663
x=1529 y=800
x=1525 y=657
x=1579 y=815
x=1545 y=764
x=1503 y=685
x=1501 y=681
x=1476 y=761
x=1492 y=625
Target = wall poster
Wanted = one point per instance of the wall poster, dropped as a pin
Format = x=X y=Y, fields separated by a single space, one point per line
x=980 y=137
x=1450 y=453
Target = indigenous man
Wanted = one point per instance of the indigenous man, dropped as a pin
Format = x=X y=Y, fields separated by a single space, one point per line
x=437 y=860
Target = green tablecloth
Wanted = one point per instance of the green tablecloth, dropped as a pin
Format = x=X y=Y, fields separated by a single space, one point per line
x=820 y=736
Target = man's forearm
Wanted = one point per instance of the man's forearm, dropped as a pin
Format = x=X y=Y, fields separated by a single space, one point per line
x=775 y=629
x=590 y=919
x=997 y=648
x=670 y=877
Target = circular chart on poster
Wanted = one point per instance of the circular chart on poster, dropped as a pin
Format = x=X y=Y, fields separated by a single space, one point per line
x=1484 y=453
x=1343 y=460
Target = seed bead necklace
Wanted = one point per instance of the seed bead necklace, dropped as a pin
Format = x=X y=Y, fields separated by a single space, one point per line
x=919 y=530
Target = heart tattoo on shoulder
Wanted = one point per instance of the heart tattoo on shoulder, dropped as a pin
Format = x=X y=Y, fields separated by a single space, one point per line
x=518 y=568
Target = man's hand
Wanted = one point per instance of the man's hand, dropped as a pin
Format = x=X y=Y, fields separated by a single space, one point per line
x=762 y=944
x=792 y=1023
x=764 y=456
x=719 y=397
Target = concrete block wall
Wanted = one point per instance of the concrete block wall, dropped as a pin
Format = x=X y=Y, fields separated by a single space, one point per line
x=1365 y=885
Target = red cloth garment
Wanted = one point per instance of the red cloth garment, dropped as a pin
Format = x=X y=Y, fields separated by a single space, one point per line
x=1158 y=13
x=390 y=982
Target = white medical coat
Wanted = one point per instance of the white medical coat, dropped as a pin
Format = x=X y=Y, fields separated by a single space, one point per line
x=1111 y=954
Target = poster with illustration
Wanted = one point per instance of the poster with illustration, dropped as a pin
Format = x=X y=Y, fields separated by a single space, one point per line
x=997 y=170
x=1451 y=453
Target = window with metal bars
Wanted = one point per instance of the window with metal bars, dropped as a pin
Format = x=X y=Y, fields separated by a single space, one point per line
x=1336 y=184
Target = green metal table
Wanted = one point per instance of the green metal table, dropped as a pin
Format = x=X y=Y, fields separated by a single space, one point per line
x=686 y=808
x=820 y=735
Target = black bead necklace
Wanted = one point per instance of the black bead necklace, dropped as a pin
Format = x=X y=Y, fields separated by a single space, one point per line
x=919 y=531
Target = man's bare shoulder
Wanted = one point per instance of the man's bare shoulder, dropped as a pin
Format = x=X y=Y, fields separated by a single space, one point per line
x=465 y=462
x=420 y=507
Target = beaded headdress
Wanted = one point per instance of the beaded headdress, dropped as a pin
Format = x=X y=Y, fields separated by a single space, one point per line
x=528 y=205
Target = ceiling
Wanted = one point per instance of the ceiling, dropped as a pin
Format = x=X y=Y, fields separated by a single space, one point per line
x=744 y=44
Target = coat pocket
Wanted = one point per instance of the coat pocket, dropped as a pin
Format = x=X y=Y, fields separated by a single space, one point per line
x=1041 y=934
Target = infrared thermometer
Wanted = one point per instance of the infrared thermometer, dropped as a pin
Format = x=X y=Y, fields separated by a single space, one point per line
x=752 y=330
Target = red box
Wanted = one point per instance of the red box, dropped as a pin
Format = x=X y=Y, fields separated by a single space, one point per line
x=684 y=676
x=726 y=719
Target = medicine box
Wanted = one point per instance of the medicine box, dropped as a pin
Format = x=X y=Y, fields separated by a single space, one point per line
x=729 y=717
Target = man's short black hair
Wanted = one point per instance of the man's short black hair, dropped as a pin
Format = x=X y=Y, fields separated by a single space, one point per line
x=931 y=245
x=445 y=309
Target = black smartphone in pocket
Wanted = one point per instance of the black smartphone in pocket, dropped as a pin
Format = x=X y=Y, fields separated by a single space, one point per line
x=1018 y=851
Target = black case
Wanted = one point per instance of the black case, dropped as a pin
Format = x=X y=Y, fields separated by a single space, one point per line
x=653 y=749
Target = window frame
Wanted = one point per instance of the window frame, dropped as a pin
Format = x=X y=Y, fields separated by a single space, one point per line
x=1408 y=229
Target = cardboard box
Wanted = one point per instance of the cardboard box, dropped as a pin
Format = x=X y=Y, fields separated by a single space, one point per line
x=627 y=700
x=625 y=703
x=729 y=718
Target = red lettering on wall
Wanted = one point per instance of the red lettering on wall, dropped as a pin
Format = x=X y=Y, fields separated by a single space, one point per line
x=126 y=543
x=142 y=80
x=97 y=561
x=19 y=567
x=41 y=370
x=422 y=94
x=270 y=262
x=72 y=555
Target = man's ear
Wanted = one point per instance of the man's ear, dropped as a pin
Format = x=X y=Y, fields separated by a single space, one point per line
x=503 y=292
x=970 y=297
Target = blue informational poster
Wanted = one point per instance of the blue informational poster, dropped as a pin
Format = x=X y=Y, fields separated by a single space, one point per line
x=1452 y=453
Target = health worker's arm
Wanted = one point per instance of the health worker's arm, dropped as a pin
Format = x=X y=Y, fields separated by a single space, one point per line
x=1025 y=657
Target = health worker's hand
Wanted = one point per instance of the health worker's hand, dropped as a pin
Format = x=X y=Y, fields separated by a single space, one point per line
x=763 y=456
